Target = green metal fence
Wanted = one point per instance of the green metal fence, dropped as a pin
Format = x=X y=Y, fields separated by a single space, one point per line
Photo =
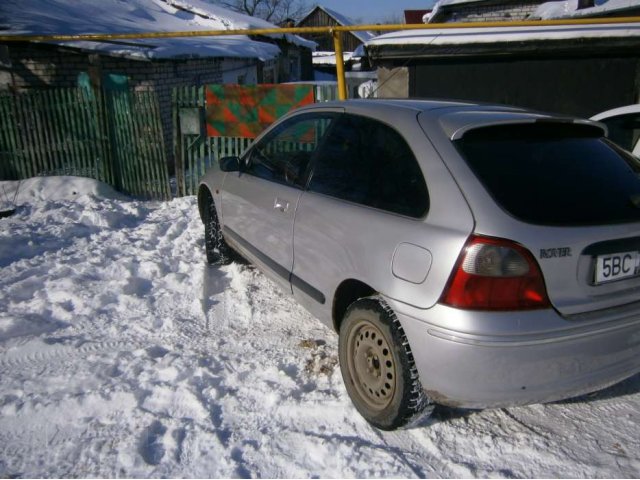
x=115 y=138
x=52 y=132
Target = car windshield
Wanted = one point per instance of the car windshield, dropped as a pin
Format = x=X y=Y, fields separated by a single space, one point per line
x=555 y=174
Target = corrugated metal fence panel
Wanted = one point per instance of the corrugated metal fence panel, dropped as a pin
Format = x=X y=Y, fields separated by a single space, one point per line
x=67 y=132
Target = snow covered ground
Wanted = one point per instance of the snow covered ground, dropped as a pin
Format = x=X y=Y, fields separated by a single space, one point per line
x=123 y=354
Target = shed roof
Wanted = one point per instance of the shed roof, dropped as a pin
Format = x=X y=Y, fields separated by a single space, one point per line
x=341 y=19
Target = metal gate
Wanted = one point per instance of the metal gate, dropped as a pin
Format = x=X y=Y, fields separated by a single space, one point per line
x=112 y=136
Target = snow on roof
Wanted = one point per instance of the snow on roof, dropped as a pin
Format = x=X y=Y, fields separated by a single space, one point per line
x=329 y=58
x=458 y=36
x=444 y=3
x=345 y=21
x=42 y=17
x=428 y=17
x=236 y=20
x=569 y=9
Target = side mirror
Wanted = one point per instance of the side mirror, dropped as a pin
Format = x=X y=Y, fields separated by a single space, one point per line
x=229 y=164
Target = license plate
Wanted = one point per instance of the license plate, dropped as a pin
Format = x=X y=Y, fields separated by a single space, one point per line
x=617 y=266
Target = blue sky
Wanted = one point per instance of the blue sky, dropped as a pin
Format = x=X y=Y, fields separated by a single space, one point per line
x=371 y=11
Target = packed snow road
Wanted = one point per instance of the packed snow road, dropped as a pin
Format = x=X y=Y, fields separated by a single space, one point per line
x=123 y=354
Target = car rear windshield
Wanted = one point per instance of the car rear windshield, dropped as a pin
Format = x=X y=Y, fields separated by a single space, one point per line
x=555 y=174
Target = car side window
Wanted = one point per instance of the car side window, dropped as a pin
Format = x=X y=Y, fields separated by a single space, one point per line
x=284 y=155
x=368 y=162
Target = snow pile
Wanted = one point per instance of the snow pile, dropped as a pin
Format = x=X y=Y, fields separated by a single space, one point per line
x=48 y=17
x=123 y=354
x=552 y=10
x=57 y=189
x=569 y=9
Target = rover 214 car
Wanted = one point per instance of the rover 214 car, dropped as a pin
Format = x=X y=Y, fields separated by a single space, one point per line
x=467 y=255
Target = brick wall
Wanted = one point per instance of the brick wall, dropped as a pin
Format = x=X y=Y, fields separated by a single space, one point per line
x=489 y=12
x=163 y=76
x=43 y=66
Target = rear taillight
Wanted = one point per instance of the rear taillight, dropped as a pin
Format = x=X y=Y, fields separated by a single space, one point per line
x=496 y=274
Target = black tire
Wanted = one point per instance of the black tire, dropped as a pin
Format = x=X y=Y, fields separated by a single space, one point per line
x=216 y=248
x=378 y=368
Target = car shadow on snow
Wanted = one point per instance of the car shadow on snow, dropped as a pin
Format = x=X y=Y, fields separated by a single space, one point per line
x=442 y=414
x=214 y=282
x=630 y=386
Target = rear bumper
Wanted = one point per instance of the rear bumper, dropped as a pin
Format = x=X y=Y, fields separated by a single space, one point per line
x=540 y=357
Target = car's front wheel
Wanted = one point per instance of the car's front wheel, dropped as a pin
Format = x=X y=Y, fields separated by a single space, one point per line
x=377 y=366
x=216 y=248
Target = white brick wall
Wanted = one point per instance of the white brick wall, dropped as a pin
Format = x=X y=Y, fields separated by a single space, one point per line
x=483 y=12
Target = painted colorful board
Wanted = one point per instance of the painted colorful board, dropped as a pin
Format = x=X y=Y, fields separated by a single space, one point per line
x=246 y=110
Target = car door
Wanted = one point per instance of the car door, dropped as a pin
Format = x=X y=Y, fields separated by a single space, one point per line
x=364 y=215
x=624 y=127
x=260 y=201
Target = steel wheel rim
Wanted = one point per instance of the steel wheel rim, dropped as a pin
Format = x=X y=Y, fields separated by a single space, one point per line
x=371 y=365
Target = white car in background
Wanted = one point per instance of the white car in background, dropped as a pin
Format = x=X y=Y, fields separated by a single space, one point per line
x=623 y=124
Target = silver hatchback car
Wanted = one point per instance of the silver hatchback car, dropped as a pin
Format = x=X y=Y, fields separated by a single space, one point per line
x=468 y=255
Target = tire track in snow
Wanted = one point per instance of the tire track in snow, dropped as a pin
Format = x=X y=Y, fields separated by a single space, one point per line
x=63 y=446
x=55 y=355
x=423 y=462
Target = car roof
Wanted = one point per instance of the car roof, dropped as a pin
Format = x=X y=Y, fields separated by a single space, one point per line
x=420 y=105
x=457 y=117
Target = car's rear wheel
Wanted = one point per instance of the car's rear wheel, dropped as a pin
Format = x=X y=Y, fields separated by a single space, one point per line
x=378 y=368
x=216 y=248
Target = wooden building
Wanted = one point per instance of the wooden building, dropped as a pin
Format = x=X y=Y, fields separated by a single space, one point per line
x=324 y=17
x=574 y=70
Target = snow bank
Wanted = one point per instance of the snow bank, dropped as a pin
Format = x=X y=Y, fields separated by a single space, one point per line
x=55 y=189
x=569 y=9
x=122 y=354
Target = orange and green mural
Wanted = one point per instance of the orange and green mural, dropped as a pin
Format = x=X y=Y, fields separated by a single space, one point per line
x=246 y=110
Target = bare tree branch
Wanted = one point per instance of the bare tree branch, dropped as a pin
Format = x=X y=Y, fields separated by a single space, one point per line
x=275 y=11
